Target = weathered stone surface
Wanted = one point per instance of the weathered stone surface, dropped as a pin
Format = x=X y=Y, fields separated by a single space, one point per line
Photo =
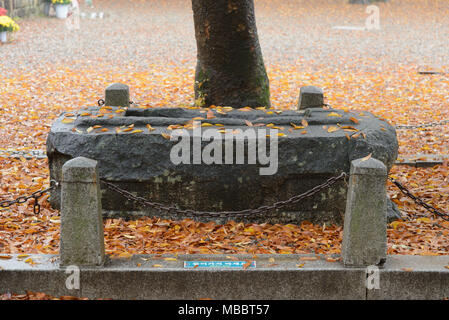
x=82 y=239
x=407 y=277
x=310 y=97
x=365 y=226
x=117 y=95
x=123 y=279
x=136 y=278
x=140 y=162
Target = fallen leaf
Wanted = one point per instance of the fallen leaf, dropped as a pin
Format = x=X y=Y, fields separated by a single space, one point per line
x=367 y=157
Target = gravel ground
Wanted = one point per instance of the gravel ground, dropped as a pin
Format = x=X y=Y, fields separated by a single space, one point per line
x=144 y=32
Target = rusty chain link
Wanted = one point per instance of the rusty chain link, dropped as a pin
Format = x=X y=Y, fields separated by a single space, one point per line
x=425 y=125
x=419 y=201
x=417 y=126
x=35 y=195
x=207 y=214
x=222 y=214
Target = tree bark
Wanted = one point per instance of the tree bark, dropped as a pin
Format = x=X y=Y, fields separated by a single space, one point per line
x=230 y=70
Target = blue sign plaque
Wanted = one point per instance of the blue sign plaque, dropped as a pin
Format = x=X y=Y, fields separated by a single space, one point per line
x=218 y=264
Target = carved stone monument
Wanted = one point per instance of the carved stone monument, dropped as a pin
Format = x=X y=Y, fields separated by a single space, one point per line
x=134 y=151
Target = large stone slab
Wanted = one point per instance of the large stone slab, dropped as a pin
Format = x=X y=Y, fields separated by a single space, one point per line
x=139 y=162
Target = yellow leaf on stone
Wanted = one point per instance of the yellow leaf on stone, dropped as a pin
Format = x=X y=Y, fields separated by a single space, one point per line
x=367 y=157
x=280 y=134
x=67 y=120
x=304 y=122
x=354 y=120
x=407 y=269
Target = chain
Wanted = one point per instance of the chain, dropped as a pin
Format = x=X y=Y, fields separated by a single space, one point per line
x=425 y=125
x=35 y=195
x=418 y=126
x=419 y=201
x=222 y=214
x=27 y=154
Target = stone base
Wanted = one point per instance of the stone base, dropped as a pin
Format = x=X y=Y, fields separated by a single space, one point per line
x=402 y=277
x=140 y=162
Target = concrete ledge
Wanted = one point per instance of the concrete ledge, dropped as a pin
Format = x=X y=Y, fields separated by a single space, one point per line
x=281 y=279
x=413 y=277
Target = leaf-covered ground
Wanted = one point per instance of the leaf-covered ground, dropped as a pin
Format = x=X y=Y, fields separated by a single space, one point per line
x=150 y=45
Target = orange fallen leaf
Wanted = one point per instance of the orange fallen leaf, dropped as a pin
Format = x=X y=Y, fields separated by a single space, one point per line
x=407 y=269
x=355 y=120
x=367 y=157
x=304 y=122
x=308 y=258
x=166 y=136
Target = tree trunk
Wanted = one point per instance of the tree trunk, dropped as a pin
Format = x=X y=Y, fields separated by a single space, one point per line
x=230 y=69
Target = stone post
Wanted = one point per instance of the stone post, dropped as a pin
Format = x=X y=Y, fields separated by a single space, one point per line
x=365 y=226
x=310 y=97
x=82 y=238
x=117 y=95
